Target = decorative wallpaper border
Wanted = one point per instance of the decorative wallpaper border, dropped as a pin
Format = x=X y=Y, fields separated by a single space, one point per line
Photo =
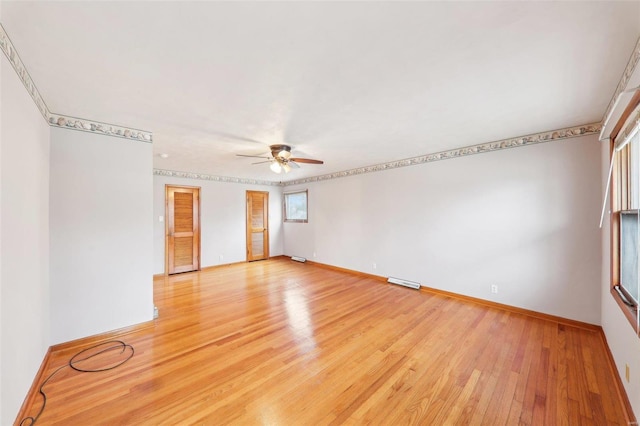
x=60 y=120
x=15 y=61
x=214 y=178
x=626 y=75
x=67 y=122
x=569 y=132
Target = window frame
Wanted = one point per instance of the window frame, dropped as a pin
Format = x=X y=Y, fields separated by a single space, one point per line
x=620 y=202
x=286 y=210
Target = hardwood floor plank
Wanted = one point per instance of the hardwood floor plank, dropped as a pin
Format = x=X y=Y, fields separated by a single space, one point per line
x=562 y=395
x=551 y=389
x=278 y=342
x=455 y=414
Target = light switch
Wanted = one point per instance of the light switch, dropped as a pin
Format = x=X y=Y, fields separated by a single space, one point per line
x=160 y=218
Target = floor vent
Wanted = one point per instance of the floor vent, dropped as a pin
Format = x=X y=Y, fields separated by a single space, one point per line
x=405 y=283
x=298 y=259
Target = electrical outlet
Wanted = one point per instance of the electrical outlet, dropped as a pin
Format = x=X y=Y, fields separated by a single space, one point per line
x=626 y=372
x=314 y=254
x=221 y=258
x=494 y=288
x=375 y=266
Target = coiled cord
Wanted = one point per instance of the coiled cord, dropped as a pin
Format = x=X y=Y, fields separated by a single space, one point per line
x=75 y=363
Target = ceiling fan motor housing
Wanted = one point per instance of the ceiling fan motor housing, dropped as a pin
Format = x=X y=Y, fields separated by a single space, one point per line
x=280 y=151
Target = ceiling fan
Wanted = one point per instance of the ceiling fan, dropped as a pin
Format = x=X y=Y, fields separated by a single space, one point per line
x=281 y=159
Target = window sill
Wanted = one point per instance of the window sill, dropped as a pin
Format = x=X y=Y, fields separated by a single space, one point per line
x=629 y=311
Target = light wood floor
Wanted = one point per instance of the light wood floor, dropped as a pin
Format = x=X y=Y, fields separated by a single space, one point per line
x=282 y=343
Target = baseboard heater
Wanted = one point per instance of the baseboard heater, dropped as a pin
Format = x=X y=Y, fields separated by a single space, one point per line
x=298 y=259
x=406 y=283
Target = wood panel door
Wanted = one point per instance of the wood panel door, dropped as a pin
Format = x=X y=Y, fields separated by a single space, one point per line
x=257 y=225
x=182 y=227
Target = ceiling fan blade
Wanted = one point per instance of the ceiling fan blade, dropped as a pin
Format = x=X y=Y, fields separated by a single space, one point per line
x=261 y=162
x=252 y=156
x=293 y=164
x=306 y=160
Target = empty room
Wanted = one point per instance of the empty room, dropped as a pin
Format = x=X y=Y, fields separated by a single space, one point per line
x=310 y=212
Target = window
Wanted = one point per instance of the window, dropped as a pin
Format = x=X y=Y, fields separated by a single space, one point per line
x=629 y=255
x=625 y=202
x=295 y=206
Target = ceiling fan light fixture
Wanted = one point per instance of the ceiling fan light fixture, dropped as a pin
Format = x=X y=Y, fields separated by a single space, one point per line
x=286 y=167
x=275 y=167
x=284 y=154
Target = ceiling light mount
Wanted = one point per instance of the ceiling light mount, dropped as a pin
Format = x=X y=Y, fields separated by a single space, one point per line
x=281 y=151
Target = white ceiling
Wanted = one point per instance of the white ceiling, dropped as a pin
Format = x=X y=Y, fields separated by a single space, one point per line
x=351 y=83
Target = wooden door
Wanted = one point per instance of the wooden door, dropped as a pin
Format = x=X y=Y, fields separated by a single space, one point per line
x=257 y=225
x=182 y=227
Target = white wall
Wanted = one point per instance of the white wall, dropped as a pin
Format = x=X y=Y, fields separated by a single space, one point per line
x=525 y=219
x=101 y=233
x=2 y=66
x=222 y=216
x=622 y=340
x=24 y=237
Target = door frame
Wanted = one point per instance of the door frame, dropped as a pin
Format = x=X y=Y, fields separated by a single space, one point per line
x=166 y=225
x=266 y=241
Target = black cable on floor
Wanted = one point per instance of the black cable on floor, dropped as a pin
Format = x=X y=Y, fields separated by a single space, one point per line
x=83 y=355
